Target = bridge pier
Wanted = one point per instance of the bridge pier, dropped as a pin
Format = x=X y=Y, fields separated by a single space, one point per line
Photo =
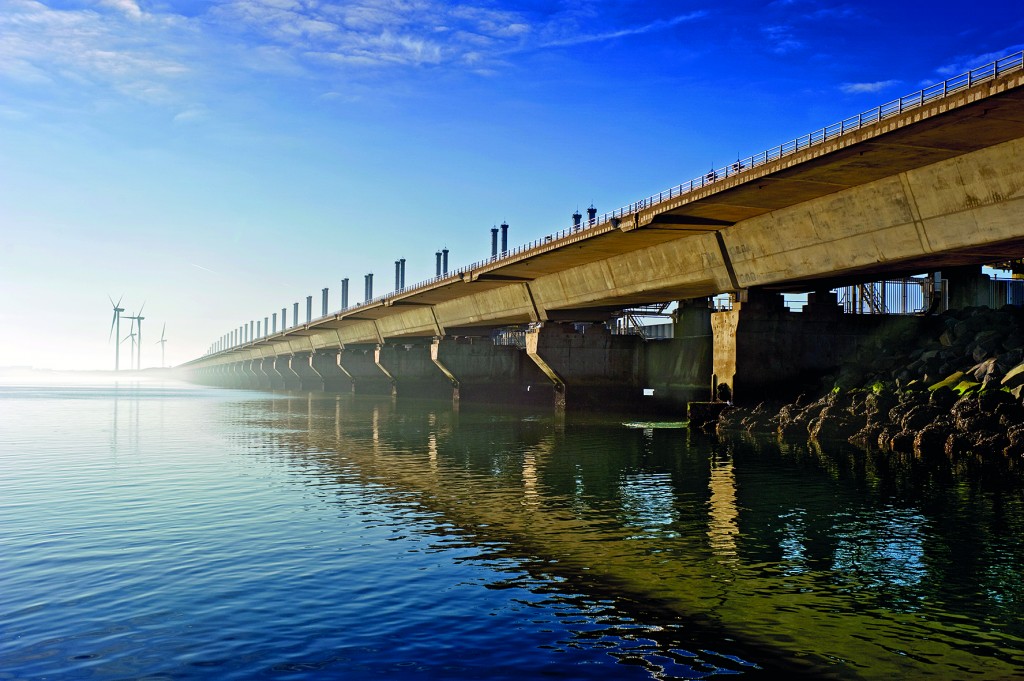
x=251 y=380
x=309 y=379
x=273 y=375
x=679 y=369
x=413 y=369
x=327 y=363
x=262 y=377
x=290 y=379
x=763 y=351
x=368 y=376
x=587 y=365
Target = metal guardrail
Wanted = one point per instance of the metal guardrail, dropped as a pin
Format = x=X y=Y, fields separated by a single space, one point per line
x=1008 y=64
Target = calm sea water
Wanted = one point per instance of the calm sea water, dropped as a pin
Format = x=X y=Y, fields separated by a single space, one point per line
x=166 y=531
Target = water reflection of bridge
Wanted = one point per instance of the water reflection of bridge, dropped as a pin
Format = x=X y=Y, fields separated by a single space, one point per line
x=723 y=534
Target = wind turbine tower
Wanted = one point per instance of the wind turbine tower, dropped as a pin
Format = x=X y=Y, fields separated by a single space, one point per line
x=131 y=334
x=162 y=343
x=116 y=322
x=137 y=338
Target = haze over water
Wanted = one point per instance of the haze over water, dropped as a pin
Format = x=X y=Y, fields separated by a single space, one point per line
x=163 y=530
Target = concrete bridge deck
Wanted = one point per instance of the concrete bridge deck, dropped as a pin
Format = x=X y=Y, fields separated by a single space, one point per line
x=936 y=186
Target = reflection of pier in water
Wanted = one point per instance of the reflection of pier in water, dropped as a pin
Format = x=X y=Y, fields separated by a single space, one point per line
x=664 y=529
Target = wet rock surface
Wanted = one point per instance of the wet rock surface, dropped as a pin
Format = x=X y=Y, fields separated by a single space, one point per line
x=954 y=390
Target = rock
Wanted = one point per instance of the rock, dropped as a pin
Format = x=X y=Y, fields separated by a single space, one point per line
x=931 y=439
x=1014 y=377
x=949 y=381
x=918 y=416
x=902 y=442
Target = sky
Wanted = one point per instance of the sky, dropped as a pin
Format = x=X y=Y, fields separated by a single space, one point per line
x=216 y=161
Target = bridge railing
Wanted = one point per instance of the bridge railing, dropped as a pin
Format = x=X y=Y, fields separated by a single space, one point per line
x=990 y=71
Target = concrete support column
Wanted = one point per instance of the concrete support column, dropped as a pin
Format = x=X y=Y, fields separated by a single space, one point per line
x=275 y=376
x=359 y=362
x=262 y=377
x=376 y=360
x=309 y=378
x=327 y=364
x=533 y=352
x=435 y=357
x=291 y=380
x=968 y=287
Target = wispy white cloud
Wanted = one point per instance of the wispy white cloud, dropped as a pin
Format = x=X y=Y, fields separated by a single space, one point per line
x=658 y=25
x=781 y=39
x=150 y=53
x=965 y=63
x=129 y=7
x=862 y=88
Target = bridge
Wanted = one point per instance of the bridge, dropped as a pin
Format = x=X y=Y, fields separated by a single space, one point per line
x=930 y=182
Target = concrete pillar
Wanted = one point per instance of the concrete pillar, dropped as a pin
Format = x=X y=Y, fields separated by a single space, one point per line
x=435 y=357
x=968 y=287
x=360 y=362
x=309 y=378
x=276 y=378
x=291 y=380
x=327 y=364
x=262 y=377
x=533 y=352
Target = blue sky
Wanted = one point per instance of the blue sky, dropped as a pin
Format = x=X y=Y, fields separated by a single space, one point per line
x=221 y=160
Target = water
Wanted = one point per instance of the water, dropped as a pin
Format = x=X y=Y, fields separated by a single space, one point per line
x=167 y=531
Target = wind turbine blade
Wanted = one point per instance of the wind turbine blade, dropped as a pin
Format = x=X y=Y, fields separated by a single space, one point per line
x=112 y=322
x=119 y=300
x=111 y=299
x=139 y=313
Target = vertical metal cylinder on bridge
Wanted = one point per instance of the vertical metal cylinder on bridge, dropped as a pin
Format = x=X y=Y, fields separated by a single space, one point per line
x=266 y=326
x=324 y=306
x=398 y=276
x=252 y=329
x=591 y=215
x=576 y=217
x=494 y=241
x=284 y=318
x=368 y=288
x=309 y=309
x=295 y=314
x=438 y=272
x=259 y=331
x=402 y=260
x=444 y=261
x=504 y=237
x=274 y=317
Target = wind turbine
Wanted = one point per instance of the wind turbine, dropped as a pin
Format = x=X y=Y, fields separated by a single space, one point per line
x=162 y=342
x=116 y=322
x=131 y=334
x=137 y=317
